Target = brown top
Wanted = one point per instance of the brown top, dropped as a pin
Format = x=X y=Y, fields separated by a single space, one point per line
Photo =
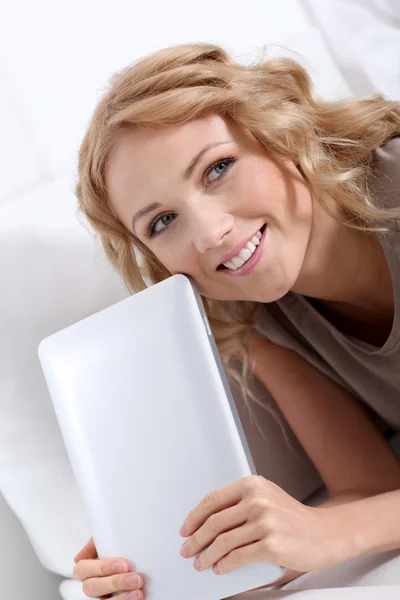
x=372 y=374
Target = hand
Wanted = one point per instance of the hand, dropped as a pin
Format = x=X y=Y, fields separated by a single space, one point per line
x=254 y=520
x=106 y=576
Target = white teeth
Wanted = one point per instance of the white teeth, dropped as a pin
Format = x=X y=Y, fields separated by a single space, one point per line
x=230 y=265
x=238 y=262
x=245 y=254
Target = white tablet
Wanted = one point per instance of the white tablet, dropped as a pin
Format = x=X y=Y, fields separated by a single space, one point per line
x=150 y=427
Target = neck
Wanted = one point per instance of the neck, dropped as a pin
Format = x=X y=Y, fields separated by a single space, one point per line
x=346 y=269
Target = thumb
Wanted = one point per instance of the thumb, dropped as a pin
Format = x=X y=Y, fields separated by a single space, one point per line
x=88 y=551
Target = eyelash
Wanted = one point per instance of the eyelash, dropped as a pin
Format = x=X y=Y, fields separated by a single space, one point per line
x=230 y=160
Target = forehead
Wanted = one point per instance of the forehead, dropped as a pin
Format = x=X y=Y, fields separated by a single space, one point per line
x=171 y=148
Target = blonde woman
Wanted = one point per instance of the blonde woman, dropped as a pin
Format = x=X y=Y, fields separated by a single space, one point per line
x=285 y=210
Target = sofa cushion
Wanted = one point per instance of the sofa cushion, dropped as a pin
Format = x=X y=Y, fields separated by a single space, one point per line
x=371 y=570
x=72 y=590
x=52 y=274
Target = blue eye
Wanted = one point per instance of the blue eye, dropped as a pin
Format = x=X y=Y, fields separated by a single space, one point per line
x=161 y=223
x=220 y=167
x=155 y=229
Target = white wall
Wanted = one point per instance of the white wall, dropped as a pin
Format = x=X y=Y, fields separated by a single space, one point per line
x=56 y=57
x=364 y=38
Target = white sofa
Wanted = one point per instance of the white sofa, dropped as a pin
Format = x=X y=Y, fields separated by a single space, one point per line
x=53 y=273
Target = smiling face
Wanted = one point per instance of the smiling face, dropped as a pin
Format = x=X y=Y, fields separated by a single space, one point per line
x=196 y=193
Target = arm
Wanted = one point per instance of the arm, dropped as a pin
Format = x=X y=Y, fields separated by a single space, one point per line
x=372 y=526
x=336 y=432
x=338 y=500
x=351 y=454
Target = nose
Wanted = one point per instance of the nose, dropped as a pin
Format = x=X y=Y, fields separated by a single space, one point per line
x=210 y=231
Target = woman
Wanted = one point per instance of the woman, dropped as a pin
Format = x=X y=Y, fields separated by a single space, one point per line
x=285 y=211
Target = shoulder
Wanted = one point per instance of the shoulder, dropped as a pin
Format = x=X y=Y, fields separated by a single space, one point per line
x=384 y=176
x=387 y=156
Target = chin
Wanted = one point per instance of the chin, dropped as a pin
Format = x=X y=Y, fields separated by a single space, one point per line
x=274 y=286
x=230 y=295
x=251 y=290
x=271 y=297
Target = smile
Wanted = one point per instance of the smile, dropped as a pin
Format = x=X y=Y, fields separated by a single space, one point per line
x=248 y=257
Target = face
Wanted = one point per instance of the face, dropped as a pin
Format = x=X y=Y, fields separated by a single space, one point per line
x=198 y=194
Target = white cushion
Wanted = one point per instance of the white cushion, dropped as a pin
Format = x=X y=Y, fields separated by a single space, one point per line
x=52 y=275
x=375 y=569
x=15 y=550
x=339 y=593
x=50 y=270
x=72 y=590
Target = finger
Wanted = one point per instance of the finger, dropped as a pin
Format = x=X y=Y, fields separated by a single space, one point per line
x=99 y=568
x=244 y=555
x=95 y=587
x=216 y=501
x=218 y=523
x=227 y=543
x=88 y=551
x=134 y=595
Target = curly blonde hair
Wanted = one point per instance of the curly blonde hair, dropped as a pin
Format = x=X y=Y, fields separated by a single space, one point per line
x=332 y=144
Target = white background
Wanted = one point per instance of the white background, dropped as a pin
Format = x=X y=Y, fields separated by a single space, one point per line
x=56 y=57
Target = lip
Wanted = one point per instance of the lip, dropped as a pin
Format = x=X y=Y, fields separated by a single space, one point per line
x=238 y=248
x=253 y=260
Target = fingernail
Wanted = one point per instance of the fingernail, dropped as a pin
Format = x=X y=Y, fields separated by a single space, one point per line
x=134 y=595
x=132 y=581
x=182 y=531
x=185 y=550
x=216 y=569
x=118 y=567
x=197 y=563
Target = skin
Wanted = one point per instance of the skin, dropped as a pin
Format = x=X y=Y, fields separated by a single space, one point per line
x=343 y=271
x=306 y=250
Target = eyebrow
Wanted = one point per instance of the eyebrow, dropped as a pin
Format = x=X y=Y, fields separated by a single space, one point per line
x=187 y=174
x=143 y=211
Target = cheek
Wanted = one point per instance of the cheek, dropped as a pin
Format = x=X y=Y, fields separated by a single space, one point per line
x=175 y=259
x=300 y=205
x=168 y=262
x=287 y=198
x=263 y=190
